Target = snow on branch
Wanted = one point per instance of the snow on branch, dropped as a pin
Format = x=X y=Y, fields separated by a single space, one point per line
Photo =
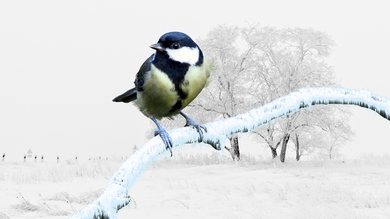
x=116 y=195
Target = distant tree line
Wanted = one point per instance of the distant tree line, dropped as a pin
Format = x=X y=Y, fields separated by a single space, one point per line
x=26 y=157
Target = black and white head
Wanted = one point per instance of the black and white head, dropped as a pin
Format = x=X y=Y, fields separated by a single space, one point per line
x=179 y=47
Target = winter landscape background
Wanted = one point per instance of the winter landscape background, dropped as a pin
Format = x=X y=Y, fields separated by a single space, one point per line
x=63 y=62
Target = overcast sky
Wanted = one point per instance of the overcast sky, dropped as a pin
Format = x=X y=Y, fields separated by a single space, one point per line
x=62 y=62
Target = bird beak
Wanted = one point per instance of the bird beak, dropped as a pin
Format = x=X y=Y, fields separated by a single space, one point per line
x=158 y=47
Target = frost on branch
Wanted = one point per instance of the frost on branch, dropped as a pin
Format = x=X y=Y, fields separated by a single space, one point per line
x=116 y=195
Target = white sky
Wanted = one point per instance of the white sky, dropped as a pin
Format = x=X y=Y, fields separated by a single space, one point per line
x=62 y=62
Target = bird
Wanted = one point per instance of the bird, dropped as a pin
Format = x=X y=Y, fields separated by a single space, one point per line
x=169 y=80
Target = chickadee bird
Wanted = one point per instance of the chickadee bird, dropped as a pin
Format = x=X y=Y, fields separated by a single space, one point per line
x=169 y=80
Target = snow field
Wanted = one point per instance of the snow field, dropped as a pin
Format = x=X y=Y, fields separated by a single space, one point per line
x=305 y=189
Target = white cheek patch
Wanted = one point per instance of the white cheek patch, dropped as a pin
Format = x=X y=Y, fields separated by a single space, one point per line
x=184 y=55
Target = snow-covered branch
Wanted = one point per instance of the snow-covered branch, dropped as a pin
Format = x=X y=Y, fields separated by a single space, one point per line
x=116 y=195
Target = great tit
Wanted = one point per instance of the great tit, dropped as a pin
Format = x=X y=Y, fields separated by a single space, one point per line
x=169 y=80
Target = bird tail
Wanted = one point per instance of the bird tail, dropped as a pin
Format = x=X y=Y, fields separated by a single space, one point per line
x=127 y=97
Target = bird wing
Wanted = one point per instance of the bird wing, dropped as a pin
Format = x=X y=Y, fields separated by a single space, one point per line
x=143 y=70
x=131 y=94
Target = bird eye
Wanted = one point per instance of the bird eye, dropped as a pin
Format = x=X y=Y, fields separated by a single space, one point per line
x=175 y=46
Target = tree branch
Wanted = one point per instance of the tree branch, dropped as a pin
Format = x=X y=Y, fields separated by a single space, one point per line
x=116 y=195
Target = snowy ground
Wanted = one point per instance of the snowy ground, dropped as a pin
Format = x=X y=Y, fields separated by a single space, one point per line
x=305 y=189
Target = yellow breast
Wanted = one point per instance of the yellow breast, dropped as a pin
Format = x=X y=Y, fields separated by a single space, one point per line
x=195 y=80
x=159 y=94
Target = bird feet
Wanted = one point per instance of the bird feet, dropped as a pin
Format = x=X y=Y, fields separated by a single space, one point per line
x=189 y=122
x=163 y=135
x=165 y=138
x=197 y=126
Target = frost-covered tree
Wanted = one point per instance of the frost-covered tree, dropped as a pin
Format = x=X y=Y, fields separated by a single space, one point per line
x=255 y=65
x=232 y=78
x=286 y=60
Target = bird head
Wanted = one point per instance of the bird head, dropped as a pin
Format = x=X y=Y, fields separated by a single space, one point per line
x=179 y=47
